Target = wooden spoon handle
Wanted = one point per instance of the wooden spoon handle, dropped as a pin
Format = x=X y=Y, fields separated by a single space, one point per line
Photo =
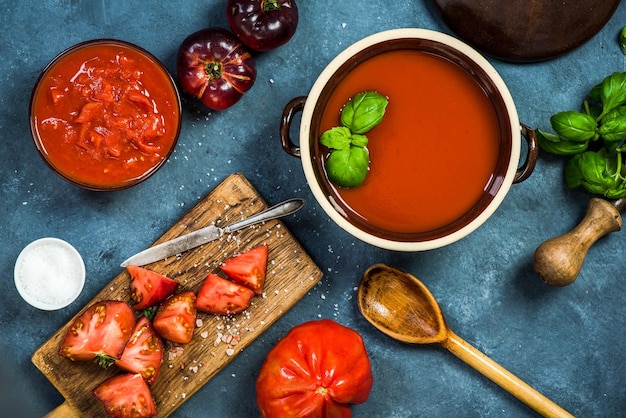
x=558 y=261
x=505 y=379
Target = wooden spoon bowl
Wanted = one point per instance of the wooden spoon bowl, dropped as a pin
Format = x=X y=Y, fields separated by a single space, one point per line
x=401 y=306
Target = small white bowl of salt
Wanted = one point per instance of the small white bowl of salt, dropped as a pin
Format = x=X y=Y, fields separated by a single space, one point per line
x=49 y=274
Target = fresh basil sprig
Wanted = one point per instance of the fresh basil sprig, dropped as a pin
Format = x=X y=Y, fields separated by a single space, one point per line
x=598 y=172
x=613 y=128
x=348 y=163
x=593 y=139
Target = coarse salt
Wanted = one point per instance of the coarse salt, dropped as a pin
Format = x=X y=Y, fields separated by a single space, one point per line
x=49 y=273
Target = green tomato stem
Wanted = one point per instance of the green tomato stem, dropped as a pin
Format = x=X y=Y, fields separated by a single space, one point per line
x=270 y=5
x=213 y=69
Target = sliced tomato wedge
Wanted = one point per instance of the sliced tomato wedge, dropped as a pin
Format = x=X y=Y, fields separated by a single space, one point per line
x=222 y=297
x=143 y=353
x=126 y=395
x=176 y=318
x=100 y=332
x=248 y=268
x=148 y=288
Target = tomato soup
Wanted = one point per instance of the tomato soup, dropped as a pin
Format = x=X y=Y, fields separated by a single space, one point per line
x=105 y=114
x=433 y=155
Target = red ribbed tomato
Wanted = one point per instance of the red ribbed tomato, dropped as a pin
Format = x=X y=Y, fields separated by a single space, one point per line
x=317 y=370
x=213 y=65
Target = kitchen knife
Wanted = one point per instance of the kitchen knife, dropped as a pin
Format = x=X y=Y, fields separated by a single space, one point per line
x=209 y=233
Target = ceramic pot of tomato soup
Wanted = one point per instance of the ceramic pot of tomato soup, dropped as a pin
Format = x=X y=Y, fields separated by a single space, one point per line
x=105 y=114
x=444 y=155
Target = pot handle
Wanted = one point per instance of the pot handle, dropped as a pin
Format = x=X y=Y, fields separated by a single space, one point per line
x=294 y=106
x=527 y=168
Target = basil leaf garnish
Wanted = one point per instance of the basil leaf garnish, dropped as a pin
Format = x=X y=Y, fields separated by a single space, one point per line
x=347 y=164
x=337 y=138
x=348 y=167
x=363 y=112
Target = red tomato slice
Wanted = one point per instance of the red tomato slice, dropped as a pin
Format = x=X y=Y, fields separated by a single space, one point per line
x=126 y=395
x=222 y=297
x=248 y=268
x=143 y=353
x=100 y=331
x=148 y=288
x=317 y=370
x=176 y=318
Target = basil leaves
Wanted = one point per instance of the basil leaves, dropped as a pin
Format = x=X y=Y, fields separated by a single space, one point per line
x=597 y=172
x=347 y=164
x=593 y=139
x=363 y=112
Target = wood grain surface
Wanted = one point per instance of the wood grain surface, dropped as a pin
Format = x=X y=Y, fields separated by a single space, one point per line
x=218 y=339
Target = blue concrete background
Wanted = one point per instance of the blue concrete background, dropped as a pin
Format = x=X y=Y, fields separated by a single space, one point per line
x=568 y=343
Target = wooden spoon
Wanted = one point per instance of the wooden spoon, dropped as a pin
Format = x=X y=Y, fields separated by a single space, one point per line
x=558 y=261
x=399 y=305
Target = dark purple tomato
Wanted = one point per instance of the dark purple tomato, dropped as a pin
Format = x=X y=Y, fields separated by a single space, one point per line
x=214 y=66
x=262 y=25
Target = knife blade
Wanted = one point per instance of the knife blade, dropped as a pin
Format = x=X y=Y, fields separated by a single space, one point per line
x=210 y=233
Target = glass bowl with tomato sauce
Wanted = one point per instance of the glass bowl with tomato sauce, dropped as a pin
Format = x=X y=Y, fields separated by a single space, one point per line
x=444 y=155
x=105 y=114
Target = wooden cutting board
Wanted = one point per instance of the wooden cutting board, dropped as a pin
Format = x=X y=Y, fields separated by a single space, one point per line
x=218 y=339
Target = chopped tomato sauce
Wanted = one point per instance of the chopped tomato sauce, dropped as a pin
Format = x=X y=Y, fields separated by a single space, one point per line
x=106 y=115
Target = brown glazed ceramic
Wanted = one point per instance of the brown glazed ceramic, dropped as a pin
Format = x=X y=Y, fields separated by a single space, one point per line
x=309 y=149
x=525 y=30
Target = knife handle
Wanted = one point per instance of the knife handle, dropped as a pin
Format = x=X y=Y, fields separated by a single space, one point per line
x=277 y=211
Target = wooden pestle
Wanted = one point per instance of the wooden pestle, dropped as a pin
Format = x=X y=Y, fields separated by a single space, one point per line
x=558 y=261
